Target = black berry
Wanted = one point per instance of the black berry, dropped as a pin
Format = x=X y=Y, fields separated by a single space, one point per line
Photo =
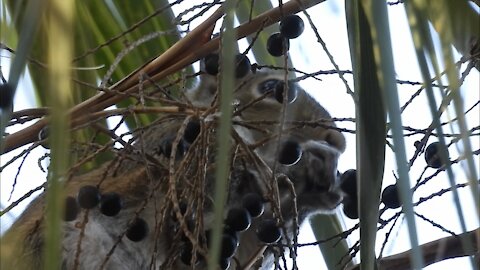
x=350 y=209
x=247 y=176
x=390 y=197
x=190 y=223
x=290 y=153
x=110 y=204
x=268 y=232
x=183 y=207
x=88 y=197
x=231 y=232
x=166 y=147
x=348 y=183
x=253 y=202
x=238 y=219
x=229 y=246
x=224 y=263
x=71 y=209
x=43 y=137
x=191 y=131
x=138 y=230
x=229 y=243
x=277 y=45
x=280 y=89
x=186 y=254
x=292 y=26
x=6 y=95
x=211 y=63
x=242 y=66
x=433 y=157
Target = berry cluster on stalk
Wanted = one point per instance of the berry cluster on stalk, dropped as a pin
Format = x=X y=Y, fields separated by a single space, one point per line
x=238 y=220
x=291 y=27
x=109 y=204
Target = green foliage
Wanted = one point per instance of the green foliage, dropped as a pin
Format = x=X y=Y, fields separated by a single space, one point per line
x=370 y=78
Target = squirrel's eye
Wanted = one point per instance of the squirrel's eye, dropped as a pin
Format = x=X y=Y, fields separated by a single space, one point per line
x=267 y=86
x=277 y=87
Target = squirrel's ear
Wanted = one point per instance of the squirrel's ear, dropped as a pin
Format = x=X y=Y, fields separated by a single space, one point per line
x=203 y=93
x=336 y=139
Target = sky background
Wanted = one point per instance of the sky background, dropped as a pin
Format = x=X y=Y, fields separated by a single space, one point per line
x=307 y=55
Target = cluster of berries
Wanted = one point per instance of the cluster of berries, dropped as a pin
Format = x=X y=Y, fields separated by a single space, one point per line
x=349 y=185
x=89 y=197
x=239 y=219
x=291 y=27
x=242 y=65
x=109 y=204
x=190 y=134
x=242 y=68
x=390 y=195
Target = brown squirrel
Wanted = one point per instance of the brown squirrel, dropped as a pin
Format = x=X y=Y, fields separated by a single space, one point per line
x=158 y=191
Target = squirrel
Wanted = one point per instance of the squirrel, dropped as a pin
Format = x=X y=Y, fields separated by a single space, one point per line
x=285 y=148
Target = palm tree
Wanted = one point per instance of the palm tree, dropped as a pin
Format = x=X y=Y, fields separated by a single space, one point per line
x=78 y=52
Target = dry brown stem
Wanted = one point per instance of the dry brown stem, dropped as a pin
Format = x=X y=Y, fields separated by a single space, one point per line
x=433 y=252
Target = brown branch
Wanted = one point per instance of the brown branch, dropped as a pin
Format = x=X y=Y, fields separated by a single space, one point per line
x=34 y=112
x=433 y=252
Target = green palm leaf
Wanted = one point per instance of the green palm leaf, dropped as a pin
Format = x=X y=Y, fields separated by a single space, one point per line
x=370 y=80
